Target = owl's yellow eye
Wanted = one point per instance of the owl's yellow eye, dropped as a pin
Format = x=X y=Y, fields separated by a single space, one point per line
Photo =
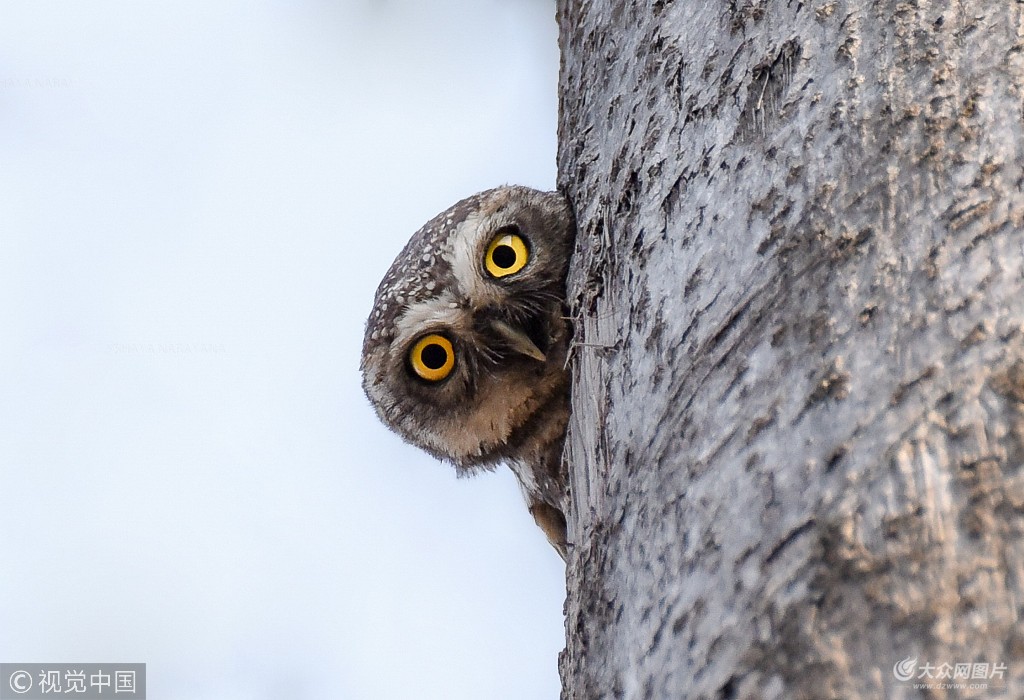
x=432 y=357
x=506 y=255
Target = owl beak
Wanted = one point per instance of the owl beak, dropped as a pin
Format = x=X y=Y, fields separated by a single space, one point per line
x=518 y=340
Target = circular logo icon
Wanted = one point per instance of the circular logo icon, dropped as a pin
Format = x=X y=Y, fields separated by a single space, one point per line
x=20 y=681
x=904 y=670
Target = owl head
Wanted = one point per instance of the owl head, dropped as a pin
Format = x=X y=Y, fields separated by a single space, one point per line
x=465 y=348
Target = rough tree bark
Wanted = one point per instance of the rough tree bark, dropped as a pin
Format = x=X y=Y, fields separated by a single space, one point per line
x=798 y=424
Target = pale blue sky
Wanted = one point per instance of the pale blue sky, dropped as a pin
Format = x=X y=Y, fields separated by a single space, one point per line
x=197 y=201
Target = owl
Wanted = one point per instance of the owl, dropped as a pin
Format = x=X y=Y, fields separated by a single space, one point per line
x=466 y=347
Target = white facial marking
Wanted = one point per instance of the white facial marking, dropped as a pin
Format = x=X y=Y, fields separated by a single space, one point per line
x=441 y=311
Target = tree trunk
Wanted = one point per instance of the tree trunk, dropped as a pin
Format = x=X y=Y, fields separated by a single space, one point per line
x=798 y=401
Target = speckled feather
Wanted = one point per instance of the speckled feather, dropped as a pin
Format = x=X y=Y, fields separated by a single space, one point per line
x=414 y=274
x=501 y=402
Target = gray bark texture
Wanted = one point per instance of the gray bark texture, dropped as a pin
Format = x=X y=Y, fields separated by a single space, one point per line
x=798 y=294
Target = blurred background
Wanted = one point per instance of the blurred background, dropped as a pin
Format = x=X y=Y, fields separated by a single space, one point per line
x=197 y=201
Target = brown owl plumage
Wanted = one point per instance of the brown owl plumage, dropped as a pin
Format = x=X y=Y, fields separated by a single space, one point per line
x=465 y=348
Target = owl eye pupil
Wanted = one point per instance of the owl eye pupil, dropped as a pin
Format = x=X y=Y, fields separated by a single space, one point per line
x=434 y=356
x=504 y=256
